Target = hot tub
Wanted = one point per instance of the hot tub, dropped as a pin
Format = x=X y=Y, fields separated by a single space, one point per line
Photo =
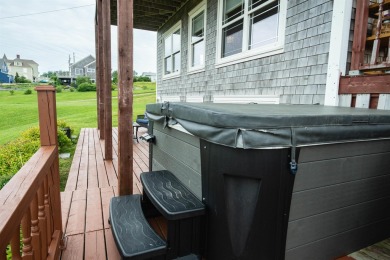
x=279 y=181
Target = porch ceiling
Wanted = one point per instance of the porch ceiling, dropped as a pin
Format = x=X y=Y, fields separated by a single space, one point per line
x=150 y=14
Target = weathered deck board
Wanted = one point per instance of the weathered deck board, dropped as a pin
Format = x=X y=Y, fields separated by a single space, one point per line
x=74 y=169
x=92 y=182
x=76 y=218
x=95 y=245
x=94 y=216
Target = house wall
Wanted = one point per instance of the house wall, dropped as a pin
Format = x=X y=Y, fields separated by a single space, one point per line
x=27 y=72
x=91 y=75
x=298 y=74
x=5 y=78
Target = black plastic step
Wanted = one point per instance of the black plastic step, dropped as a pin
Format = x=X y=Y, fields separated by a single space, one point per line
x=170 y=196
x=132 y=233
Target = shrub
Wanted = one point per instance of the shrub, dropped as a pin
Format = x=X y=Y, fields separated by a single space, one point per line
x=114 y=87
x=71 y=89
x=59 y=89
x=28 y=92
x=12 y=92
x=16 y=153
x=63 y=141
x=80 y=80
x=84 y=87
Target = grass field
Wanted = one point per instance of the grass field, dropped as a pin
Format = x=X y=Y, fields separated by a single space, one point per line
x=78 y=109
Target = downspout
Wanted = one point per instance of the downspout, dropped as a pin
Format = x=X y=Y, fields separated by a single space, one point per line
x=338 y=49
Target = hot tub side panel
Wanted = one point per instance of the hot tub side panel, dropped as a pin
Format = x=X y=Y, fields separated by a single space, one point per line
x=179 y=153
x=340 y=201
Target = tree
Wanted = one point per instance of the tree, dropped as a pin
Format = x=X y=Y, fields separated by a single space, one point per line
x=142 y=79
x=115 y=77
x=17 y=78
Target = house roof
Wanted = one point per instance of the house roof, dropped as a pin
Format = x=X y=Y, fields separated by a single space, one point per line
x=150 y=14
x=25 y=63
x=90 y=57
x=89 y=64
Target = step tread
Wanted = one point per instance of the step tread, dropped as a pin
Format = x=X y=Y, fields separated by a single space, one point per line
x=132 y=233
x=170 y=196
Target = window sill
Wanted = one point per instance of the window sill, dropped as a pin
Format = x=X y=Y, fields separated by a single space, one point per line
x=171 y=76
x=195 y=70
x=238 y=58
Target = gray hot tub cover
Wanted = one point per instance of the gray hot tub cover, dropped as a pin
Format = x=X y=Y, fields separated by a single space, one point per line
x=254 y=126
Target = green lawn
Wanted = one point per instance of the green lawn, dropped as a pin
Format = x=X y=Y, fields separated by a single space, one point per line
x=78 y=109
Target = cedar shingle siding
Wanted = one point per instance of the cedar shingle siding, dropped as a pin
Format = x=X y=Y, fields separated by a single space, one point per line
x=298 y=74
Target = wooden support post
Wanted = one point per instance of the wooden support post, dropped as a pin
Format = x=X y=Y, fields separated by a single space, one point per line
x=48 y=131
x=97 y=82
x=107 y=80
x=125 y=100
x=359 y=35
x=100 y=66
x=47 y=115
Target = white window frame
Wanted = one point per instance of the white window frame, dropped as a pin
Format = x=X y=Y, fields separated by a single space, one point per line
x=197 y=10
x=77 y=71
x=246 y=55
x=90 y=70
x=168 y=33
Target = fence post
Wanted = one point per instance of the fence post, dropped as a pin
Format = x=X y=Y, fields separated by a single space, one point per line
x=48 y=131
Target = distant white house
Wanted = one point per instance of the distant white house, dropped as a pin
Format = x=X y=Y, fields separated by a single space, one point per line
x=25 y=68
x=151 y=75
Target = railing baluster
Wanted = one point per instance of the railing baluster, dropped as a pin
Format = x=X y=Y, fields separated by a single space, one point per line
x=42 y=221
x=15 y=244
x=35 y=234
x=47 y=210
x=26 y=230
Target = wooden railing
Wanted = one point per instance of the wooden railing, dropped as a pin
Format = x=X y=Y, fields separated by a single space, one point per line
x=30 y=205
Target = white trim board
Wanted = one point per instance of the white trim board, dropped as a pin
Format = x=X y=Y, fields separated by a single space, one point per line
x=246 y=99
x=338 y=50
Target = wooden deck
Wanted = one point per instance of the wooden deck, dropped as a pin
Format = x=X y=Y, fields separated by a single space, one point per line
x=91 y=184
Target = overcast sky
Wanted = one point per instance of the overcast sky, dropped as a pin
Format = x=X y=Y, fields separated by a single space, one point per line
x=51 y=36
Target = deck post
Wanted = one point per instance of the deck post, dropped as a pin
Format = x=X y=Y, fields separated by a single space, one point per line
x=48 y=134
x=100 y=67
x=107 y=80
x=97 y=82
x=125 y=99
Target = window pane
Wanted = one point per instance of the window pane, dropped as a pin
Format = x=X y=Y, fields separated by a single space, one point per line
x=256 y=3
x=168 y=65
x=232 y=9
x=176 y=41
x=198 y=27
x=168 y=46
x=264 y=26
x=198 y=54
x=232 y=39
x=176 y=62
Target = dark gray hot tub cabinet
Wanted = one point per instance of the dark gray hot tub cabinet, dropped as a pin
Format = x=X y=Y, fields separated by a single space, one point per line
x=238 y=159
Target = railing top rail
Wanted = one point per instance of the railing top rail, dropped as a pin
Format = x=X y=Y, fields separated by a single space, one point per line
x=17 y=194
